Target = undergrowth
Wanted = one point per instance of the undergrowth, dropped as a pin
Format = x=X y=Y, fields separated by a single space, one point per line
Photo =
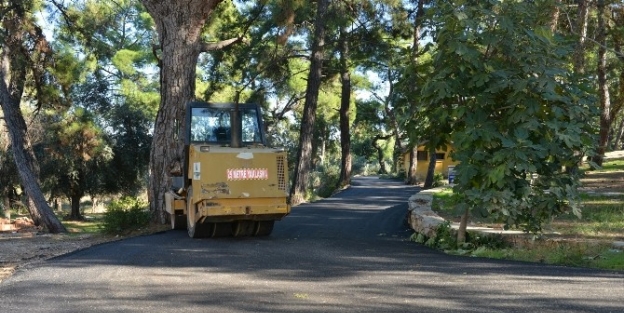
x=125 y=215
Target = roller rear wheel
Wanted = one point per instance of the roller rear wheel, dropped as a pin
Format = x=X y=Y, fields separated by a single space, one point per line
x=196 y=229
x=191 y=212
x=264 y=228
x=243 y=228
x=220 y=229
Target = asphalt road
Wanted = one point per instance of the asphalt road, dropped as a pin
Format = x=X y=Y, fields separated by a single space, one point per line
x=349 y=253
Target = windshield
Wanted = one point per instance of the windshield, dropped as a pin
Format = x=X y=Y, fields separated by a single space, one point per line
x=214 y=125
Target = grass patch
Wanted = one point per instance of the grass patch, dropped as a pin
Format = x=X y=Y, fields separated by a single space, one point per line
x=443 y=203
x=602 y=217
x=608 y=166
x=90 y=225
x=567 y=253
x=569 y=241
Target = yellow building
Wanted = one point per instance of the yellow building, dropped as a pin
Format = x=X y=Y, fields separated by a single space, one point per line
x=443 y=162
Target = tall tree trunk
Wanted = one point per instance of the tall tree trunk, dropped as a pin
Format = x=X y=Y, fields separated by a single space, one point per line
x=75 y=214
x=430 y=169
x=345 y=102
x=77 y=192
x=13 y=65
x=555 y=16
x=463 y=225
x=582 y=21
x=619 y=131
x=420 y=13
x=618 y=101
x=179 y=25
x=578 y=61
x=304 y=155
x=398 y=145
x=603 y=87
x=411 y=178
x=380 y=157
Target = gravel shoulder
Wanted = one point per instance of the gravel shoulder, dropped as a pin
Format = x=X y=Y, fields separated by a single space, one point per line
x=21 y=249
x=27 y=247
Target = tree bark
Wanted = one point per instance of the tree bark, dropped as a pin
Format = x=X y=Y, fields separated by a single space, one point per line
x=555 y=16
x=304 y=155
x=75 y=215
x=179 y=25
x=618 y=101
x=463 y=224
x=430 y=170
x=582 y=21
x=603 y=87
x=380 y=159
x=411 y=171
x=411 y=178
x=345 y=102
x=13 y=66
x=76 y=193
x=398 y=146
x=619 y=131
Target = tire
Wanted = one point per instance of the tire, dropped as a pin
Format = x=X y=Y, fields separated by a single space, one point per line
x=264 y=228
x=221 y=229
x=191 y=212
x=195 y=227
x=243 y=228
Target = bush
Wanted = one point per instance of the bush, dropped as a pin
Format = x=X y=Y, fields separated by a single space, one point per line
x=446 y=240
x=125 y=215
x=438 y=180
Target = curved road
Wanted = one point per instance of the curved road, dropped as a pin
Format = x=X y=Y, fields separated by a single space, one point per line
x=349 y=253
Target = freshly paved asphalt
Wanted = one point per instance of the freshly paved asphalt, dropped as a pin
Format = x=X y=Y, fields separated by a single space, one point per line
x=349 y=253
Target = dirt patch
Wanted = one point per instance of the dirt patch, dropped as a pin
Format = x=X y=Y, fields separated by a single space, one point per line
x=25 y=244
x=18 y=249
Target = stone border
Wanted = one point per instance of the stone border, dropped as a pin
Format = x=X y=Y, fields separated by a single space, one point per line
x=423 y=220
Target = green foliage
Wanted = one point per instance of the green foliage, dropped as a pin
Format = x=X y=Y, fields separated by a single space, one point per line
x=502 y=80
x=324 y=180
x=438 y=179
x=102 y=144
x=362 y=165
x=446 y=239
x=125 y=215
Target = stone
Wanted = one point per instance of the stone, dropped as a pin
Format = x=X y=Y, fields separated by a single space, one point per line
x=618 y=245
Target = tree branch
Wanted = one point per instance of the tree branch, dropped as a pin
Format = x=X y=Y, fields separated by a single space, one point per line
x=212 y=46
